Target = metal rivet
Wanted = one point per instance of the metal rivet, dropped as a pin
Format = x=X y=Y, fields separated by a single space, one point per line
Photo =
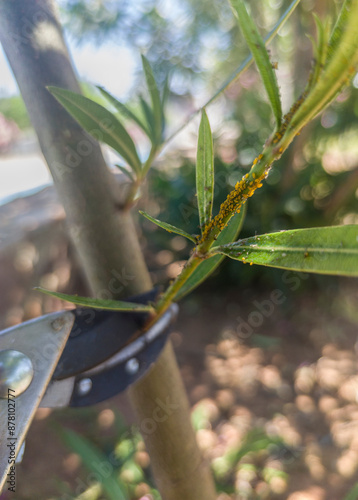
x=16 y=372
x=132 y=366
x=84 y=386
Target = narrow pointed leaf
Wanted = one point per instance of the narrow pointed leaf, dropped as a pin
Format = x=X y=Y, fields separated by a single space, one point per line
x=155 y=98
x=123 y=109
x=93 y=458
x=100 y=123
x=148 y=114
x=165 y=96
x=320 y=48
x=339 y=27
x=242 y=68
x=168 y=227
x=165 y=91
x=260 y=55
x=112 y=305
x=205 y=171
x=340 y=66
x=323 y=250
x=126 y=172
x=208 y=266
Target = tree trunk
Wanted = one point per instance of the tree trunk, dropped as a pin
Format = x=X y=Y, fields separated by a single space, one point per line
x=104 y=237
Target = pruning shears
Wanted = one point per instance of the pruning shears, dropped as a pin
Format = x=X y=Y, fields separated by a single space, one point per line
x=74 y=358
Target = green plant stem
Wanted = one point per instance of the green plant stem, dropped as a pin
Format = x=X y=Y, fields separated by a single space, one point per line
x=136 y=184
x=167 y=297
x=148 y=163
x=105 y=238
x=303 y=111
x=132 y=194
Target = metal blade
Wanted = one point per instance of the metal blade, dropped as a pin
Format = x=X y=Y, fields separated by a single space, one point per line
x=38 y=344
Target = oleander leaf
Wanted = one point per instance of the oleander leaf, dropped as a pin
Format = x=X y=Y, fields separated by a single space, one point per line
x=208 y=266
x=126 y=172
x=241 y=68
x=165 y=97
x=322 y=250
x=205 y=171
x=124 y=110
x=247 y=62
x=341 y=64
x=100 y=123
x=168 y=227
x=339 y=27
x=155 y=99
x=149 y=118
x=111 y=305
x=320 y=48
x=260 y=55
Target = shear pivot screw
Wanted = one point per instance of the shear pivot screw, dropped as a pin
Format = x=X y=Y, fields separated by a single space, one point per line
x=84 y=386
x=132 y=366
x=16 y=372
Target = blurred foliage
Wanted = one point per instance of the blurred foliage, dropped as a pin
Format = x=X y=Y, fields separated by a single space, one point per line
x=197 y=41
x=170 y=32
x=116 y=468
x=353 y=494
x=13 y=108
x=121 y=470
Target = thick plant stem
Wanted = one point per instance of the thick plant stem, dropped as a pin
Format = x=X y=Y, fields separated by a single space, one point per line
x=105 y=238
x=165 y=417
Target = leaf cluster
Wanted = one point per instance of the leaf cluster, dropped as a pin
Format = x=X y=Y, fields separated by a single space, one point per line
x=330 y=250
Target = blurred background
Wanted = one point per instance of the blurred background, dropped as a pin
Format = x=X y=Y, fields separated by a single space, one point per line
x=274 y=387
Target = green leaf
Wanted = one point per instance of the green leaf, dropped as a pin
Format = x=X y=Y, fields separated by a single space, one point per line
x=155 y=98
x=112 y=305
x=126 y=172
x=100 y=123
x=123 y=109
x=208 y=266
x=319 y=49
x=243 y=67
x=255 y=441
x=165 y=91
x=148 y=114
x=260 y=55
x=323 y=250
x=340 y=66
x=168 y=227
x=205 y=171
x=339 y=28
x=95 y=461
x=353 y=493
